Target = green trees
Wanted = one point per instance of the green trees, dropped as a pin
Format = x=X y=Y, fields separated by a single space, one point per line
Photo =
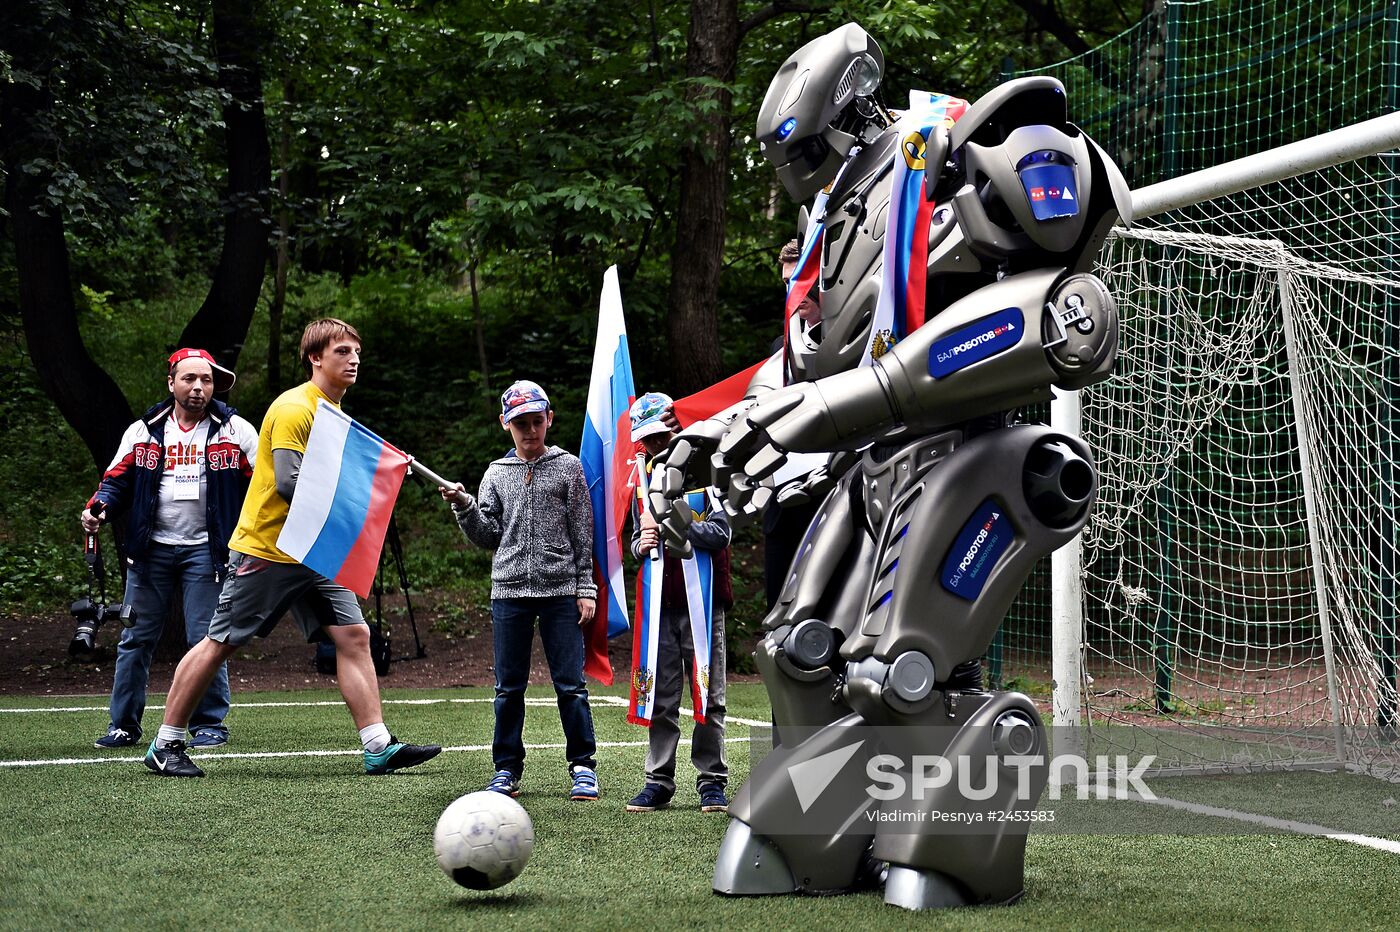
x=509 y=150
x=98 y=107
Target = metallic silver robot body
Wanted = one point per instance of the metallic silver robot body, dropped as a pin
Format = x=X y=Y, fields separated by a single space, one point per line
x=936 y=507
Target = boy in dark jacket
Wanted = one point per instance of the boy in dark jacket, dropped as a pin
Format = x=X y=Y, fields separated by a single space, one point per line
x=181 y=472
x=682 y=636
x=533 y=510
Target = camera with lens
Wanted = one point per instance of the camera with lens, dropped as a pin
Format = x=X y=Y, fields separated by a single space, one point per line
x=89 y=615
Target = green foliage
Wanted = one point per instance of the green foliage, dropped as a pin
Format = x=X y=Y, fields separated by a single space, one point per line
x=521 y=145
x=44 y=477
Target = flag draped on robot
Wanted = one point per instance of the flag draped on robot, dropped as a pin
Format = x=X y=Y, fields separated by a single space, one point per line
x=806 y=274
x=900 y=308
x=606 y=453
x=336 y=524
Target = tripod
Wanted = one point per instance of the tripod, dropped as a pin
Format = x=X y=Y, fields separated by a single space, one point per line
x=381 y=647
x=395 y=553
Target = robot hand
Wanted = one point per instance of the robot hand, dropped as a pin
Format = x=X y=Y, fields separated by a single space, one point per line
x=737 y=452
x=814 y=486
x=686 y=465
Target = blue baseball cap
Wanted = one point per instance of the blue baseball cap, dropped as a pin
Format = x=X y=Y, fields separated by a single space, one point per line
x=523 y=397
x=646 y=414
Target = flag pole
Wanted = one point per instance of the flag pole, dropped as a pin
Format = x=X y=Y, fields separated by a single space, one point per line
x=428 y=474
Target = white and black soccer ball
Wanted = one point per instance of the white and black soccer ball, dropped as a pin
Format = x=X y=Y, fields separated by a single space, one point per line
x=483 y=840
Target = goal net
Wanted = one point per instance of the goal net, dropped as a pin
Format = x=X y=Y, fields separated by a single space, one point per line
x=1240 y=566
x=1239 y=571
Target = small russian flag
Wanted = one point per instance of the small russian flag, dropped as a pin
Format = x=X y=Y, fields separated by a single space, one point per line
x=345 y=496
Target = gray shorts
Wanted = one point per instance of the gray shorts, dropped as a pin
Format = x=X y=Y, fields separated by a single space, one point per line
x=258 y=592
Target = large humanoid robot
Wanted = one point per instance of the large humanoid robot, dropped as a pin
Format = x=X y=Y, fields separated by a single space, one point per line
x=937 y=505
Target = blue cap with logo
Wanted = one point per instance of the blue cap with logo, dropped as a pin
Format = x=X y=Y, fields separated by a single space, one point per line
x=523 y=397
x=646 y=414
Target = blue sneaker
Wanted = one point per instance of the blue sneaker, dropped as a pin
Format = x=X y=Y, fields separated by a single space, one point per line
x=653 y=796
x=399 y=756
x=118 y=738
x=712 y=798
x=208 y=738
x=505 y=783
x=585 y=786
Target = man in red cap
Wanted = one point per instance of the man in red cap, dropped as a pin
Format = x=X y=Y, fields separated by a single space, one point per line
x=180 y=473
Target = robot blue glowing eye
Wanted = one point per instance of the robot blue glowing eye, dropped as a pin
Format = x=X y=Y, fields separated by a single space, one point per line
x=785 y=130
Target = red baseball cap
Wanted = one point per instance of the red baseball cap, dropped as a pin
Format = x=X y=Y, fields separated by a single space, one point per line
x=223 y=378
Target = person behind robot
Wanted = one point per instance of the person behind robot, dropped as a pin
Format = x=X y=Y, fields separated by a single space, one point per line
x=533 y=510
x=675 y=645
x=784 y=527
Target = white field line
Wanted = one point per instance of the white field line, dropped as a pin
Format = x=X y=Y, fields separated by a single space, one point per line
x=617 y=701
x=262 y=755
x=1285 y=825
x=611 y=701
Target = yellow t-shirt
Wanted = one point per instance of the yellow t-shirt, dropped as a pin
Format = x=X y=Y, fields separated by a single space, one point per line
x=286 y=427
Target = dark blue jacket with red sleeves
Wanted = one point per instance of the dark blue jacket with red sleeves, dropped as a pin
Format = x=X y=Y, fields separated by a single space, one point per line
x=132 y=482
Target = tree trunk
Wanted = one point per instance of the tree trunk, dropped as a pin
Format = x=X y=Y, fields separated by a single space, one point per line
x=221 y=324
x=712 y=49
x=479 y=324
x=279 y=280
x=83 y=392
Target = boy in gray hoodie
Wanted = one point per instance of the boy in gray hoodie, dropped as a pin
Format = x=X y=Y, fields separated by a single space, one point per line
x=533 y=510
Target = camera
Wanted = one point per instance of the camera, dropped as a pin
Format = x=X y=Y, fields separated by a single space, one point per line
x=88 y=616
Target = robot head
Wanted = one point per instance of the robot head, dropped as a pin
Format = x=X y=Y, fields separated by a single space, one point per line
x=806 y=126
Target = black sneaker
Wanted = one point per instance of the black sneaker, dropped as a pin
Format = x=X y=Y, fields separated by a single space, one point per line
x=653 y=796
x=171 y=761
x=398 y=756
x=712 y=798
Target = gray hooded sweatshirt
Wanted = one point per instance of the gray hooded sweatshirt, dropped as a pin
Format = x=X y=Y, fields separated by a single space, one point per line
x=538 y=518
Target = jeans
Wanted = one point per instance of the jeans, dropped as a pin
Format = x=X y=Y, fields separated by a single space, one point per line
x=150 y=588
x=513 y=629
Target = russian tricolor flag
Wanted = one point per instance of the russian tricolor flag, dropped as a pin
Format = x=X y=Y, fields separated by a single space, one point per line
x=607 y=452
x=337 y=519
x=900 y=309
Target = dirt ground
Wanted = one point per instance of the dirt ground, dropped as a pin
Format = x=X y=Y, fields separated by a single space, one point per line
x=34 y=657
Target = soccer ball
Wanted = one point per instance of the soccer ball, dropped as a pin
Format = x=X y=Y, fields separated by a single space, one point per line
x=483 y=840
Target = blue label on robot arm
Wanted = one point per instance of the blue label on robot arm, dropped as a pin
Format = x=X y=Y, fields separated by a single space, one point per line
x=977 y=550
x=976 y=342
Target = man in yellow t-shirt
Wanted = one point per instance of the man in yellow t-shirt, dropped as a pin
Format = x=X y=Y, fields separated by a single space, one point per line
x=264 y=583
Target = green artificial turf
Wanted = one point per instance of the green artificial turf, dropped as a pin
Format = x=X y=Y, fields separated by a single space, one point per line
x=302 y=841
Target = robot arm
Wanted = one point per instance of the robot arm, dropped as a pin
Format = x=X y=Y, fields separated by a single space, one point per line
x=1001 y=347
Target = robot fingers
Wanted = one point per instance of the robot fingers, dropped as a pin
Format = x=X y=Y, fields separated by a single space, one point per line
x=794 y=493
x=776 y=406
x=676 y=536
x=746 y=450
x=768 y=460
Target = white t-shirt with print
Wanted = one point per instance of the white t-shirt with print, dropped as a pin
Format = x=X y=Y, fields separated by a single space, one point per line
x=180 y=510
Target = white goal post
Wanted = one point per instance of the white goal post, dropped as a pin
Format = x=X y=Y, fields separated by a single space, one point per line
x=1231 y=603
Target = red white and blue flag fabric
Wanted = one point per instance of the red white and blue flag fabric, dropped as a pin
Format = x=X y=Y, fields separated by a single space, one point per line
x=646 y=633
x=607 y=452
x=900 y=309
x=337 y=520
x=708 y=402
